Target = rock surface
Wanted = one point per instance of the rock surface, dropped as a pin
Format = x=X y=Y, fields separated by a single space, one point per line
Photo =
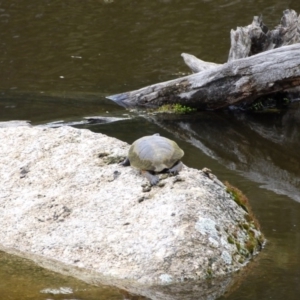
x=67 y=204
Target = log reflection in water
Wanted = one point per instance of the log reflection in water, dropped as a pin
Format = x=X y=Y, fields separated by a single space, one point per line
x=263 y=148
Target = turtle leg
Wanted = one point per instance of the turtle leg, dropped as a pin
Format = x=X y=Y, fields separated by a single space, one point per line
x=153 y=179
x=176 y=168
x=126 y=162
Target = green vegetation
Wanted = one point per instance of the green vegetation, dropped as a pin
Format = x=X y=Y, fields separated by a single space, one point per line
x=243 y=202
x=209 y=273
x=230 y=240
x=238 y=246
x=257 y=106
x=245 y=226
x=175 y=108
x=238 y=196
x=274 y=104
x=254 y=241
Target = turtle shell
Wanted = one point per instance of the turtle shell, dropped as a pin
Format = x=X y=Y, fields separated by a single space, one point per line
x=154 y=153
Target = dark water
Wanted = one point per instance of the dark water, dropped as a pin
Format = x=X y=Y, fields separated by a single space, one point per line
x=58 y=61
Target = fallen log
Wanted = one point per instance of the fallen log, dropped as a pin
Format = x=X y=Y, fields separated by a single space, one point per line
x=239 y=80
x=242 y=79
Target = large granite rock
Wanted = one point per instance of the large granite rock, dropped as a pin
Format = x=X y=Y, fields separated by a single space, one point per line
x=67 y=204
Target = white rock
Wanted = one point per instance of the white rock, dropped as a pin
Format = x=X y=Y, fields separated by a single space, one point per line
x=64 y=206
x=61 y=290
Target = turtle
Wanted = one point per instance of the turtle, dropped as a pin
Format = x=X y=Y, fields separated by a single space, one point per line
x=154 y=154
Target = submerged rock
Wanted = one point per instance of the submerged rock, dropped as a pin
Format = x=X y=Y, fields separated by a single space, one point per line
x=67 y=204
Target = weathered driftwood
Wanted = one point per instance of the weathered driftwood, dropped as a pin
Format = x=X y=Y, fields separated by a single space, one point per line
x=256 y=38
x=241 y=79
x=197 y=65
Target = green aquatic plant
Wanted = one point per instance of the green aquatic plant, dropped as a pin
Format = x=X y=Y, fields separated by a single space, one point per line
x=275 y=103
x=175 y=108
x=182 y=109
x=257 y=106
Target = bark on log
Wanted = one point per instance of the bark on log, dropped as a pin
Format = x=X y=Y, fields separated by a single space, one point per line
x=241 y=79
x=197 y=65
x=256 y=37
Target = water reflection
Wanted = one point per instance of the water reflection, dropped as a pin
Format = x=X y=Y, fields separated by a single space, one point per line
x=263 y=148
x=22 y=279
x=49 y=107
x=44 y=284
